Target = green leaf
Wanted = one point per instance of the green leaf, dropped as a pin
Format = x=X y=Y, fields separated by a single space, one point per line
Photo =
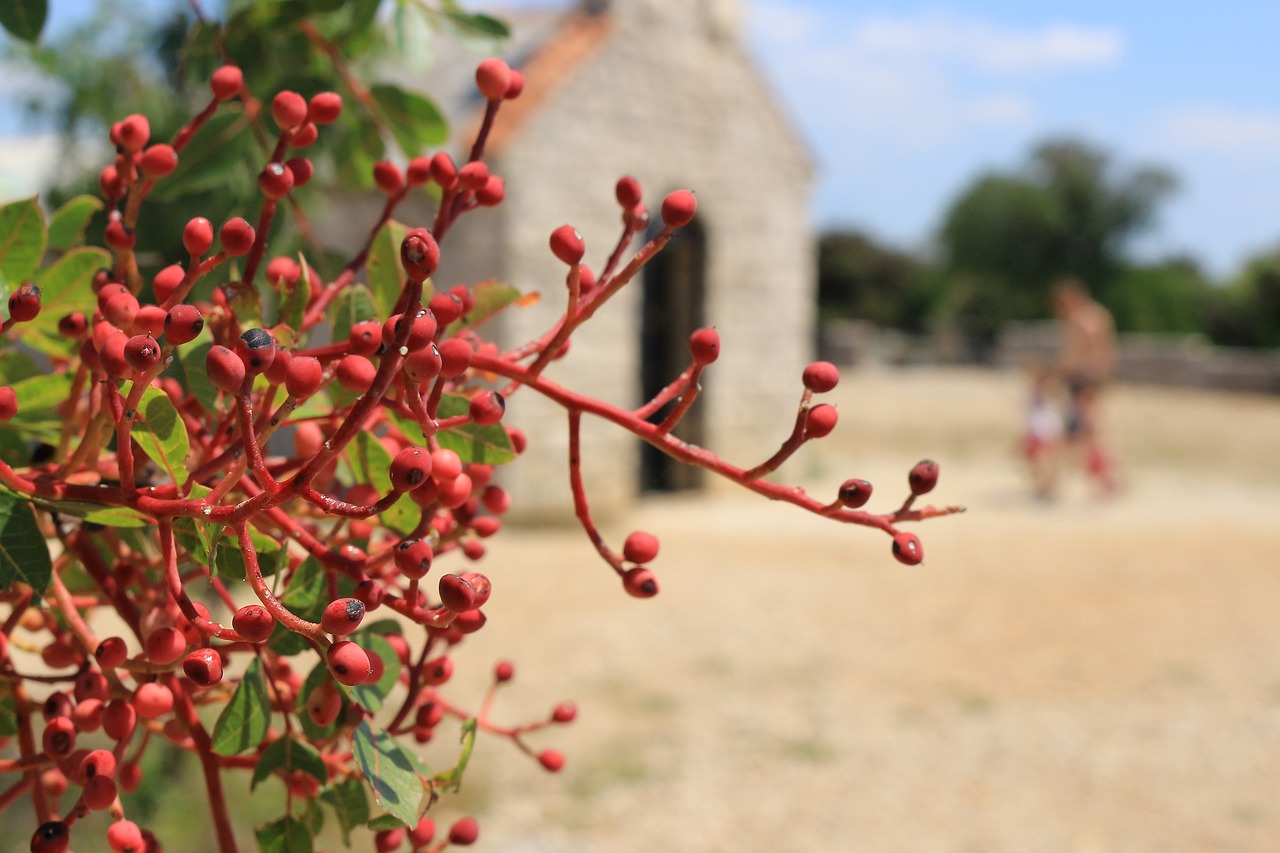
x=9 y=719
x=17 y=366
x=38 y=399
x=391 y=771
x=22 y=239
x=289 y=755
x=484 y=445
x=217 y=150
x=292 y=307
x=371 y=696
x=372 y=464
x=350 y=805
x=306 y=596
x=24 y=556
x=188 y=369
x=286 y=835
x=353 y=305
x=490 y=298
x=66 y=228
x=244 y=722
x=452 y=778
x=24 y=19
x=162 y=435
x=385 y=821
x=415 y=121
x=65 y=286
x=479 y=25
x=385 y=271
x=228 y=560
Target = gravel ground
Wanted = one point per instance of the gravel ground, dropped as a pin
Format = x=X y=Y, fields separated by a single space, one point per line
x=1078 y=676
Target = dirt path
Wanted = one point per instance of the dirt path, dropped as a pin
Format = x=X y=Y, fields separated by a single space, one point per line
x=1074 y=677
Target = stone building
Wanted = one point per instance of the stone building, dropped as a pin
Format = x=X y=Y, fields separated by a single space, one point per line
x=666 y=91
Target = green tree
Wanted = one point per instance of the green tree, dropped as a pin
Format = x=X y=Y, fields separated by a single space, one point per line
x=1247 y=312
x=859 y=277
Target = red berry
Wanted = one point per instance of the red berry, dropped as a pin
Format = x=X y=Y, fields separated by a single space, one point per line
x=237 y=237
x=704 y=346
x=119 y=719
x=420 y=834
x=516 y=86
x=51 y=837
x=923 y=477
x=325 y=107
x=386 y=840
x=349 y=663
x=493 y=78
x=289 y=109
x=99 y=793
x=387 y=176
x=464 y=831
x=121 y=309
x=365 y=337
x=496 y=499
x=142 y=352
x=443 y=170
x=59 y=737
x=437 y=671
x=74 y=325
x=457 y=594
x=197 y=236
x=165 y=645
x=418 y=172
x=473 y=175
x=821 y=376
x=304 y=135
x=420 y=254
x=275 y=180
x=183 y=324
x=226 y=82
x=551 y=760
x=203 y=666
x=907 y=548
x=567 y=244
x=8 y=403
x=150 y=320
x=119 y=237
x=152 y=700
x=455 y=357
x=446 y=465
x=158 y=161
x=24 y=303
x=342 y=616
x=504 y=671
x=257 y=349
x=565 y=712
x=253 y=622
x=493 y=192
x=820 y=421
x=124 y=836
x=111 y=652
x=356 y=373
x=301 y=169
x=410 y=469
x=454 y=493
x=324 y=704
x=424 y=364
x=854 y=493
x=678 y=208
x=278 y=370
x=422 y=330
x=134 y=132
x=487 y=407
x=303 y=376
x=225 y=369
x=640 y=582
x=640 y=547
x=628 y=192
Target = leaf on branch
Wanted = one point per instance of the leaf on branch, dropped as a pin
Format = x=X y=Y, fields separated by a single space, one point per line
x=24 y=556
x=391 y=771
x=161 y=434
x=481 y=445
x=384 y=269
x=22 y=238
x=371 y=696
x=188 y=369
x=24 y=19
x=64 y=287
x=244 y=722
x=286 y=835
x=353 y=305
x=289 y=755
x=350 y=804
x=413 y=119
x=478 y=25
x=452 y=778
x=66 y=228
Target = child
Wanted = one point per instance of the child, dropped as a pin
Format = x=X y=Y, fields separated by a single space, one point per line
x=1040 y=442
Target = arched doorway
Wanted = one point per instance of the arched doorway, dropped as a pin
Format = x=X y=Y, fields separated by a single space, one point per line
x=674 y=306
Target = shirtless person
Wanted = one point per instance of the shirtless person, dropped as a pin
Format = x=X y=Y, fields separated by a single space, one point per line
x=1085 y=362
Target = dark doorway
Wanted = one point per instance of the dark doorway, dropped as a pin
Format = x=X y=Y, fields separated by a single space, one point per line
x=674 y=298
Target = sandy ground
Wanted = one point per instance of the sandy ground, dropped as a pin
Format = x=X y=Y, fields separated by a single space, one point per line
x=1080 y=676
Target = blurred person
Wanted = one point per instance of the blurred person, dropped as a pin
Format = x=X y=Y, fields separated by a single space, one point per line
x=1086 y=359
x=1042 y=436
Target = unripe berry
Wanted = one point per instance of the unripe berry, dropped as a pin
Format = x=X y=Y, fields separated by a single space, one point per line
x=257 y=349
x=455 y=357
x=640 y=547
x=237 y=237
x=275 y=180
x=24 y=303
x=349 y=663
x=183 y=324
x=820 y=421
x=303 y=376
x=464 y=831
x=704 y=346
x=487 y=407
x=253 y=622
x=551 y=760
x=356 y=373
x=854 y=493
x=51 y=837
x=225 y=369
x=567 y=244
x=420 y=254
x=289 y=109
x=640 y=583
x=678 y=209
x=203 y=666
x=923 y=477
x=124 y=836
x=907 y=548
x=226 y=82
x=387 y=177
x=197 y=236
x=493 y=78
x=473 y=175
x=8 y=403
x=158 y=161
x=325 y=107
x=628 y=192
x=142 y=352
x=152 y=700
x=821 y=376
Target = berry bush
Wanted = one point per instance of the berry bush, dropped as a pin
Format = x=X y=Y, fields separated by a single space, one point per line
x=241 y=504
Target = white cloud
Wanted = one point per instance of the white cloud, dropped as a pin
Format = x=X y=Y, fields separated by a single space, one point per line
x=1213 y=128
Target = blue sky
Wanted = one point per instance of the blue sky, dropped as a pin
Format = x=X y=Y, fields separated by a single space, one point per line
x=904 y=102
